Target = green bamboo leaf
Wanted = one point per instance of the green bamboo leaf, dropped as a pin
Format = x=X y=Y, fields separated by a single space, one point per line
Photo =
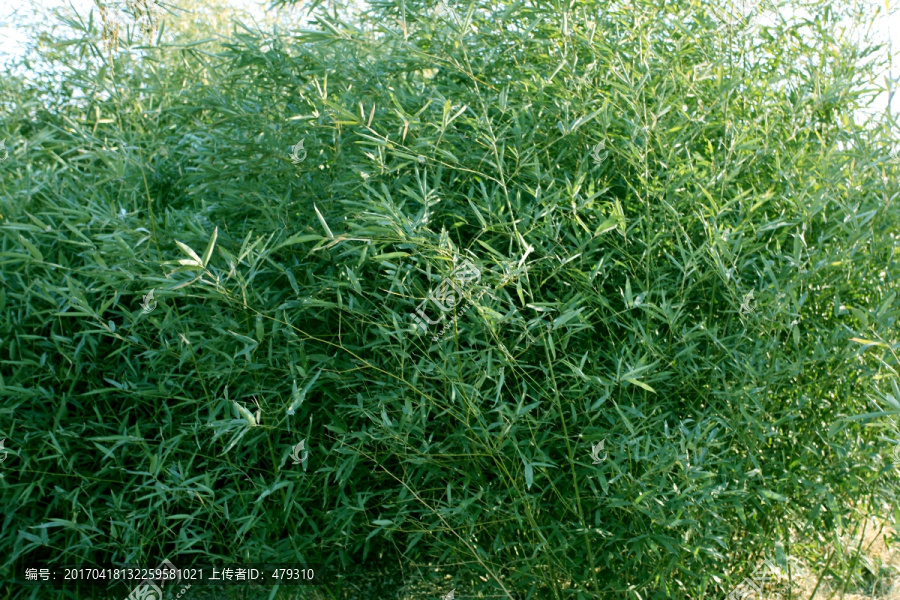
x=32 y=249
x=299 y=239
x=390 y=256
x=210 y=246
x=640 y=384
x=773 y=496
x=324 y=224
x=194 y=259
x=246 y=414
x=868 y=342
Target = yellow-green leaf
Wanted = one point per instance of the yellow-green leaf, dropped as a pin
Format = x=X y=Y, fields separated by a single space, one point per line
x=32 y=249
x=640 y=384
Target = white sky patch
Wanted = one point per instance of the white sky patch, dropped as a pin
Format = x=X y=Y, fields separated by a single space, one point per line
x=19 y=19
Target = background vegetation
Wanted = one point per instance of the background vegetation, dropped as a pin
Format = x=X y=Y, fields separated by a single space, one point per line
x=625 y=176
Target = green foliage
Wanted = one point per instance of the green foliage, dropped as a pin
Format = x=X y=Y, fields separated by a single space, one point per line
x=680 y=230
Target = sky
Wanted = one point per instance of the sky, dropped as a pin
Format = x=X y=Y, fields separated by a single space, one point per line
x=18 y=16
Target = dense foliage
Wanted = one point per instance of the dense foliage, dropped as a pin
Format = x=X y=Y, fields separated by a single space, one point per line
x=685 y=247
